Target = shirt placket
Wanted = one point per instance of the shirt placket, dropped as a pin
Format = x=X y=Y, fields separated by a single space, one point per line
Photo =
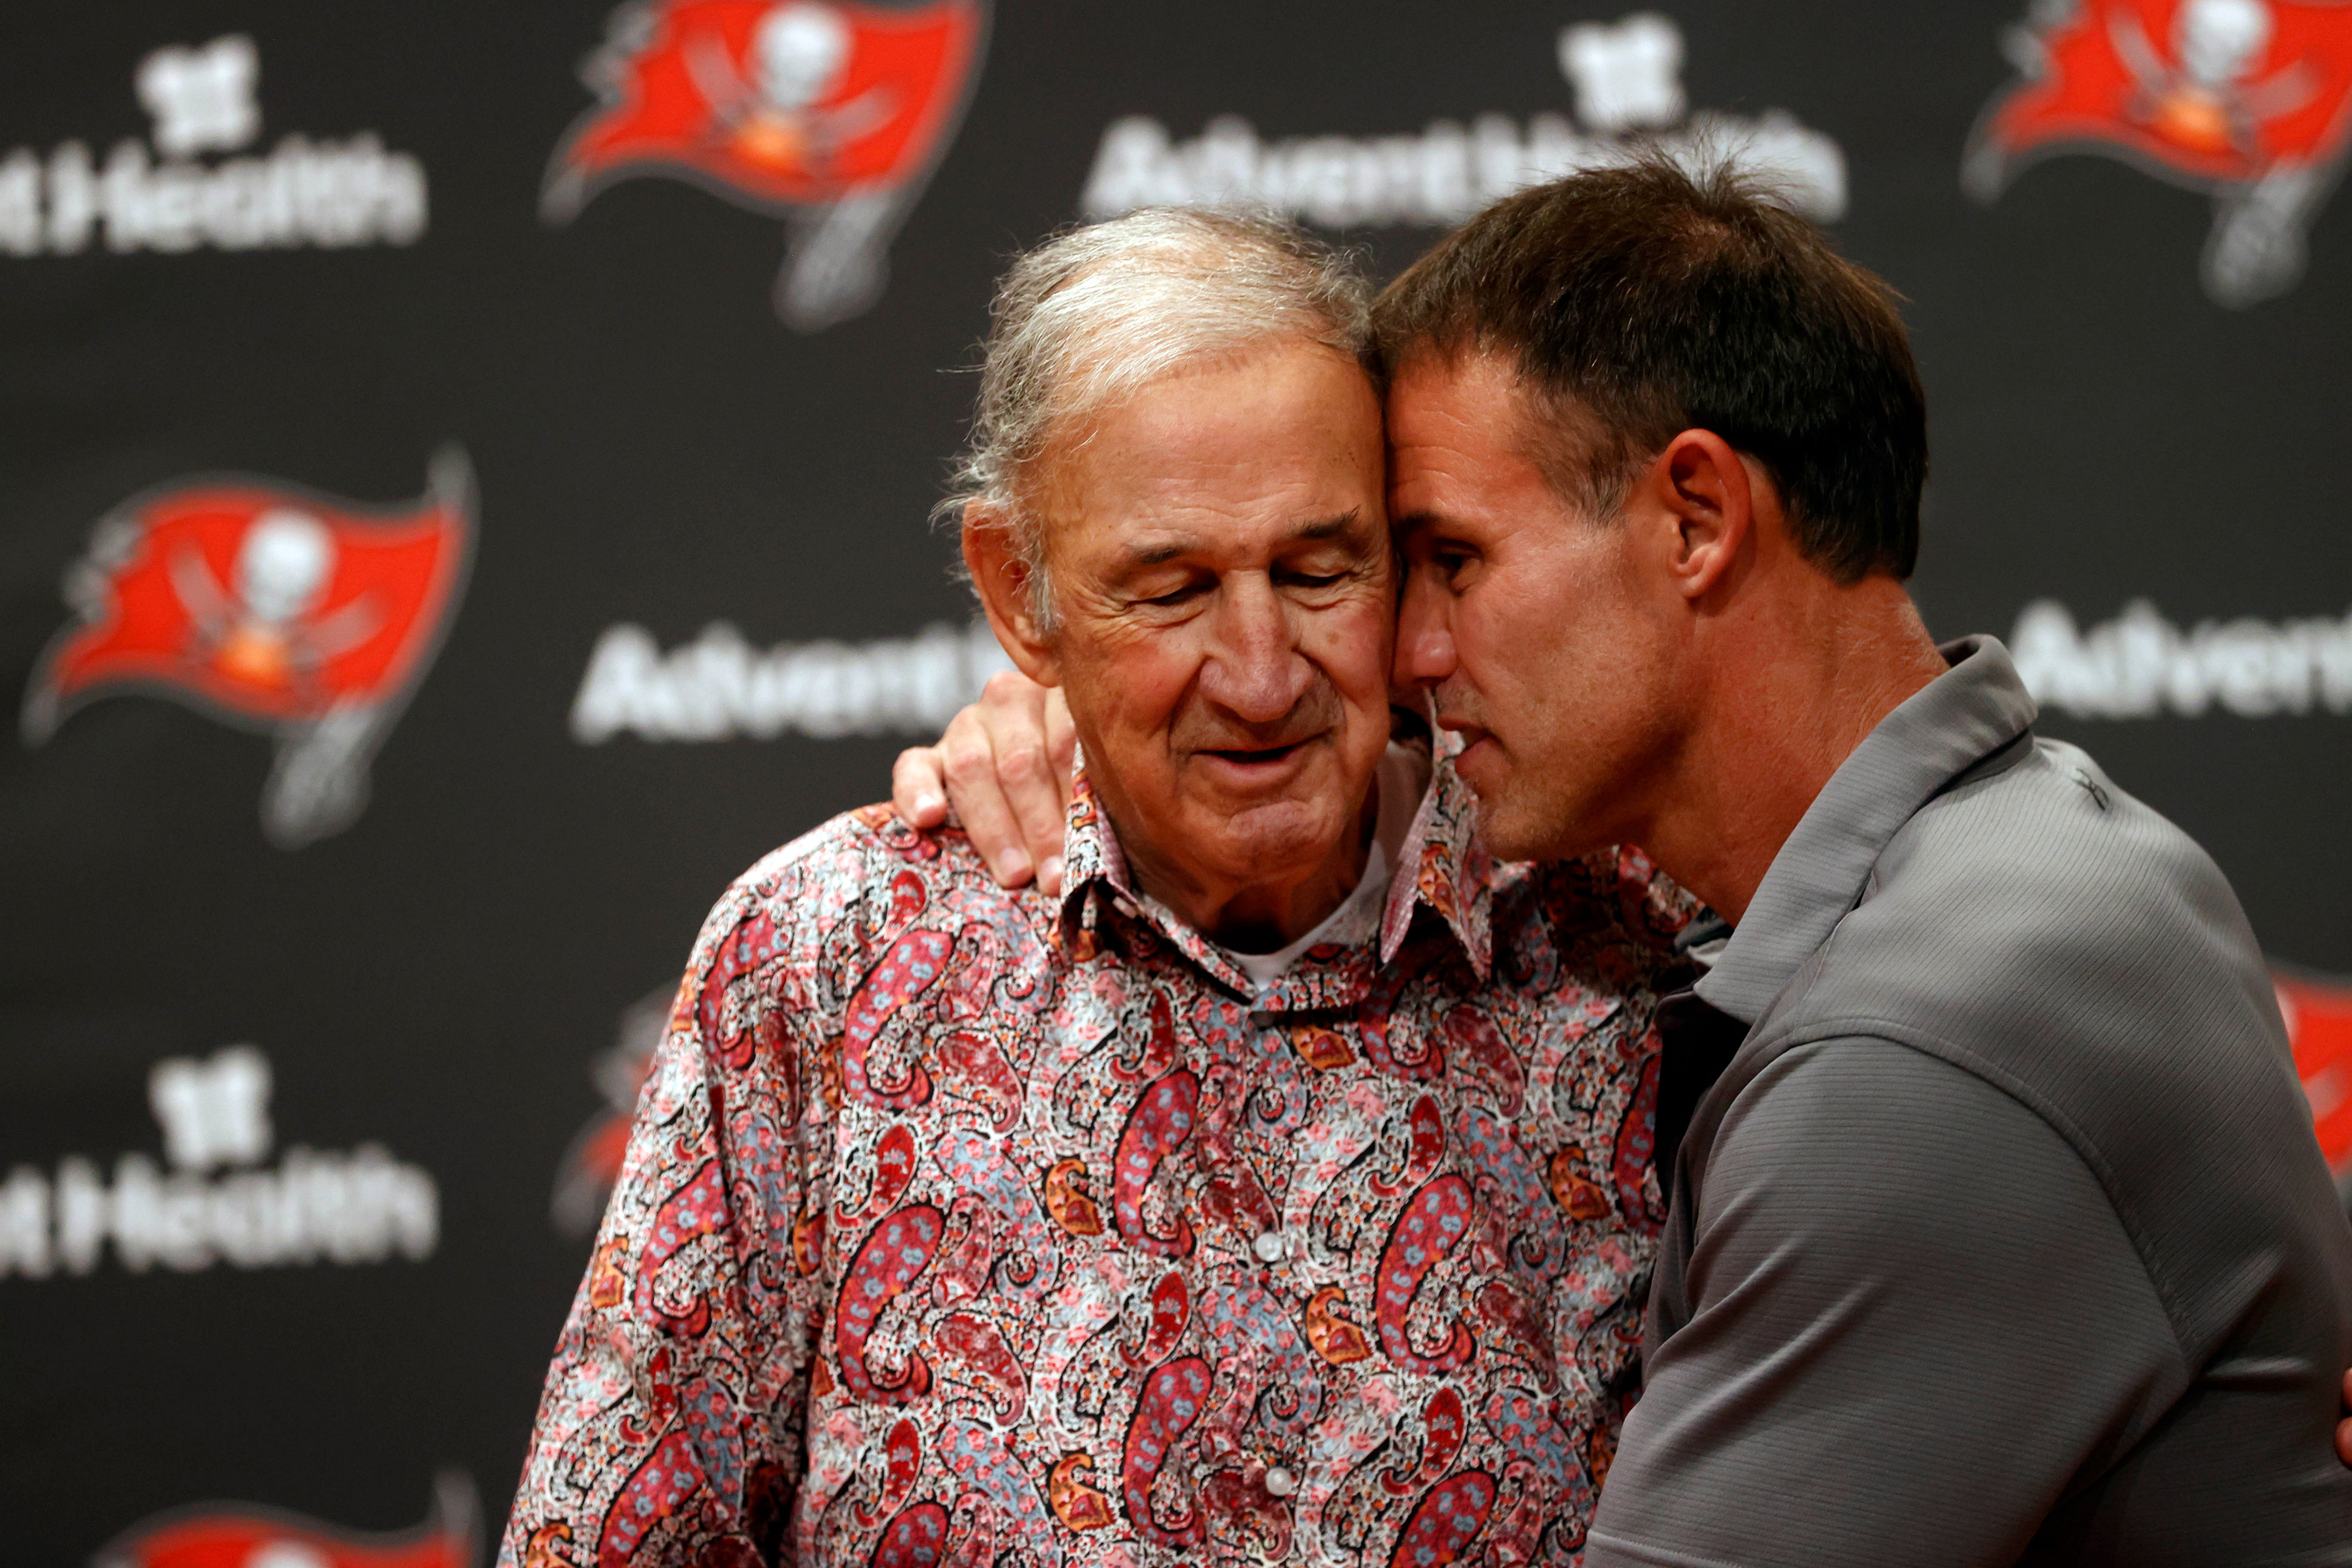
x=1321 y=994
x=1312 y=1009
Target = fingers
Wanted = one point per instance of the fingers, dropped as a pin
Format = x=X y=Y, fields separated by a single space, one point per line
x=2344 y=1429
x=1005 y=765
x=969 y=754
x=918 y=791
x=1035 y=789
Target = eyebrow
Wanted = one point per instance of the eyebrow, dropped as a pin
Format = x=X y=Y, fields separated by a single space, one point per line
x=1326 y=528
x=1321 y=528
x=1160 y=554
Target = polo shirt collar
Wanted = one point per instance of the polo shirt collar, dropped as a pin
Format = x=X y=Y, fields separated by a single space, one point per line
x=1972 y=710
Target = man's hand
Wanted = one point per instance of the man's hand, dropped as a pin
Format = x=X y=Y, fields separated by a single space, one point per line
x=2344 y=1428
x=1005 y=762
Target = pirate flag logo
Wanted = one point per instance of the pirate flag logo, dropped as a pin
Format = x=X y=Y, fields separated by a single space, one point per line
x=270 y=607
x=2318 y=1014
x=827 y=114
x=217 y=1535
x=2250 y=100
x=584 y=1182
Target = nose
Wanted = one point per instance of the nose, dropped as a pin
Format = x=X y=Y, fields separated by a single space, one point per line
x=1256 y=671
x=1424 y=645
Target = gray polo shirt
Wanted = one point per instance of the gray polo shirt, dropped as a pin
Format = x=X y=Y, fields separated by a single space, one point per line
x=2002 y=1236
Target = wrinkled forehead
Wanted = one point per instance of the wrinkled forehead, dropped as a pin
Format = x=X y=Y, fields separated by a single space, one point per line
x=1238 y=454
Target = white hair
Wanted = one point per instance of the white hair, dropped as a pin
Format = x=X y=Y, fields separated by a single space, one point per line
x=1092 y=316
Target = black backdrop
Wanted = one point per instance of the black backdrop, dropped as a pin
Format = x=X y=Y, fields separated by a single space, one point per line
x=650 y=447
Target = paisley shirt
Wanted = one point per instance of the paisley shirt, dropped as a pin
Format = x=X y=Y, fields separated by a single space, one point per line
x=968 y=1226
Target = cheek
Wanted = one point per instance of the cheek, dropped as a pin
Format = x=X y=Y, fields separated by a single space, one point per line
x=1354 y=643
x=1607 y=682
x=1559 y=647
x=1501 y=639
x=1131 y=682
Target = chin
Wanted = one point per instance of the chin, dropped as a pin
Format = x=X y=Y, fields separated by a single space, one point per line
x=1264 y=841
x=1511 y=829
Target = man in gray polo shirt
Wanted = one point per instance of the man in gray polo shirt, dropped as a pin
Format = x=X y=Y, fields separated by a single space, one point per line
x=1992 y=1232
x=1999 y=1232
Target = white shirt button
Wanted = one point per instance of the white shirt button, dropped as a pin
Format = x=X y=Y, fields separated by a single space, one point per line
x=1281 y=1482
x=1269 y=1245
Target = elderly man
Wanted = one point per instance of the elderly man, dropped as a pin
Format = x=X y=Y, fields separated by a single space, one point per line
x=1240 y=1195
x=1999 y=1232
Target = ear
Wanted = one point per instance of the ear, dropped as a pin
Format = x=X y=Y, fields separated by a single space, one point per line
x=1708 y=499
x=1006 y=592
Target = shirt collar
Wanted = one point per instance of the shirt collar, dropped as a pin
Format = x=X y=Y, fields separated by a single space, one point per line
x=1956 y=720
x=1443 y=868
x=1440 y=865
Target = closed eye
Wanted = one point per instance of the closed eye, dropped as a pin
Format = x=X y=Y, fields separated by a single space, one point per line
x=1449 y=562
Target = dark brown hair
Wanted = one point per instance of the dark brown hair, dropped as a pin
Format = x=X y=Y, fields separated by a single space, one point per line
x=1641 y=300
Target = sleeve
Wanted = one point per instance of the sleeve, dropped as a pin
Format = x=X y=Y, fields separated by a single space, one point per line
x=670 y=1430
x=1915 y=1319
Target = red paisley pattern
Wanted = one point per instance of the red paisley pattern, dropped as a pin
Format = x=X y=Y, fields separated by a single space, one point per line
x=1447 y=1522
x=1433 y=1224
x=694 y=1211
x=884 y=1267
x=1162 y=1120
x=1175 y=1395
x=961 y=1227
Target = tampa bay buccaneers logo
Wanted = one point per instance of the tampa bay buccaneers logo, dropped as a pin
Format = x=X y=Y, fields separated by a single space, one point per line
x=231 y=1535
x=2250 y=100
x=829 y=115
x=2318 y=1014
x=584 y=1182
x=271 y=607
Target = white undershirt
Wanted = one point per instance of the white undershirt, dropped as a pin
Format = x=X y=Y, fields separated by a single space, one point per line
x=1402 y=777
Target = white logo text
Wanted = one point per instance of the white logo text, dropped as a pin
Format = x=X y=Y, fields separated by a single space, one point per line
x=363 y=1206
x=1627 y=77
x=2141 y=666
x=329 y=194
x=719 y=686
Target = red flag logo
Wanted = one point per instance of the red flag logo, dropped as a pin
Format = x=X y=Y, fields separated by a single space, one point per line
x=827 y=114
x=231 y=1535
x=2250 y=100
x=269 y=607
x=2319 y=1026
x=583 y=1180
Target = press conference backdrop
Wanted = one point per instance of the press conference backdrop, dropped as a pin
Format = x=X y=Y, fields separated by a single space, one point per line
x=466 y=474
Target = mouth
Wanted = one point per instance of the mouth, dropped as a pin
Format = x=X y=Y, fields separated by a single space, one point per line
x=1252 y=754
x=1254 y=762
x=1478 y=745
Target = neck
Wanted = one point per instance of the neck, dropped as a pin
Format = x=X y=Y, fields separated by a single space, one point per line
x=1797 y=691
x=1257 y=914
